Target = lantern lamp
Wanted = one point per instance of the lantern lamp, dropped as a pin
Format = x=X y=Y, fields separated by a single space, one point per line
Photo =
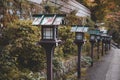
x=79 y=32
x=79 y=36
x=98 y=37
x=92 y=37
x=49 y=33
x=49 y=36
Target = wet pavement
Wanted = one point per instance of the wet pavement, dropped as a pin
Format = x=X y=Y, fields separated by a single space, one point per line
x=108 y=68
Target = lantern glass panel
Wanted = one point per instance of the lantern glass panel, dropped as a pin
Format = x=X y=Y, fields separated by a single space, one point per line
x=92 y=37
x=47 y=33
x=102 y=37
x=98 y=37
x=105 y=38
x=79 y=36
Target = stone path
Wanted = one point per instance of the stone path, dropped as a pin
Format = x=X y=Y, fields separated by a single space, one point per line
x=108 y=68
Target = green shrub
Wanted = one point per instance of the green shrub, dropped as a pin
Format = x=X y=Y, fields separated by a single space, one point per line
x=19 y=50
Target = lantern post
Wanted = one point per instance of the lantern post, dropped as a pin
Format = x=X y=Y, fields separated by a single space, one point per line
x=103 y=45
x=92 y=40
x=104 y=40
x=98 y=37
x=79 y=40
x=109 y=42
x=49 y=36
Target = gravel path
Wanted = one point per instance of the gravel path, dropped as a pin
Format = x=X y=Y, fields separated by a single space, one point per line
x=108 y=68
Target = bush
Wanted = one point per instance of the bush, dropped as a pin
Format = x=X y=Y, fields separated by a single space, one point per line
x=19 y=50
x=68 y=47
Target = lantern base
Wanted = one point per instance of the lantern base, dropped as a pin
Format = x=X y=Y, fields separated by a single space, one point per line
x=51 y=42
x=93 y=41
x=78 y=41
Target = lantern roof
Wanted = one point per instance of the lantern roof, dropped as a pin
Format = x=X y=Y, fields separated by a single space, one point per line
x=104 y=31
x=92 y=31
x=79 y=28
x=48 y=19
x=104 y=35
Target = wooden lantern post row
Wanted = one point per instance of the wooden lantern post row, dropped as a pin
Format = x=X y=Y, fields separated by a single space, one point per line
x=49 y=38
